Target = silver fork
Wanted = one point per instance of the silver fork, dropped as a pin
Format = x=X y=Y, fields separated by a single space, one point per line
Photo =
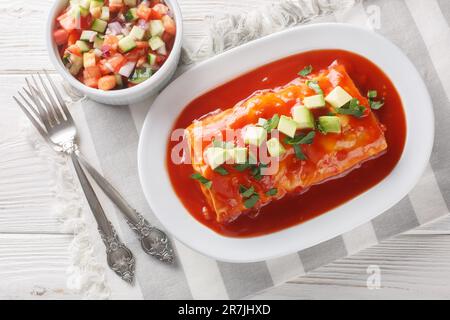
x=153 y=241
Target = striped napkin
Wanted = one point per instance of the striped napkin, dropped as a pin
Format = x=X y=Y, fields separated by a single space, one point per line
x=110 y=137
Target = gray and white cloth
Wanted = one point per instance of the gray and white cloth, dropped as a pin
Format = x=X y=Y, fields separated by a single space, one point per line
x=110 y=138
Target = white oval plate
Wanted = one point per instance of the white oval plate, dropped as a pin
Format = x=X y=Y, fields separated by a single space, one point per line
x=224 y=67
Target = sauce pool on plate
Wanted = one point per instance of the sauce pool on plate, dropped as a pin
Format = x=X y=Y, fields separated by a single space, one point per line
x=311 y=202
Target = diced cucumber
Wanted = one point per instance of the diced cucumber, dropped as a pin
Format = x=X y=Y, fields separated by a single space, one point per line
x=262 y=122
x=330 y=124
x=99 y=25
x=255 y=136
x=287 y=126
x=85 y=4
x=217 y=156
x=88 y=35
x=140 y=75
x=105 y=14
x=89 y=59
x=76 y=64
x=304 y=117
x=130 y=3
x=131 y=15
x=98 y=42
x=313 y=102
x=239 y=155
x=152 y=59
x=156 y=28
x=84 y=47
x=127 y=44
x=96 y=4
x=155 y=43
x=338 y=97
x=275 y=148
x=137 y=33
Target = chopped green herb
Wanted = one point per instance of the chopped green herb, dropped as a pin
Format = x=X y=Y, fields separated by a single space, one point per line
x=242 y=166
x=221 y=170
x=250 y=202
x=313 y=84
x=352 y=108
x=272 y=192
x=256 y=170
x=222 y=144
x=197 y=176
x=375 y=105
x=246 y=192
x=272 y=123
x=301 y=138
x=299 y=152
x=320 y=128
x=306 y=71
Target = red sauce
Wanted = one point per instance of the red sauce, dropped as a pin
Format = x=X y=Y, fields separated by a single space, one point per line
x=321 y=198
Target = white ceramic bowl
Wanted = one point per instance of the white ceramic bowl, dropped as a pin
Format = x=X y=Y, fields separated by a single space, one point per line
x=124 y=96
x=209 y=74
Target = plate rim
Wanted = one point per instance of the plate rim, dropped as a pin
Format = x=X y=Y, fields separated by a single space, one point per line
x=339 y=230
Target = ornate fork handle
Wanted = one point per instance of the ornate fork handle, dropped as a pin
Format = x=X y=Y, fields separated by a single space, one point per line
x=119 y=257
x=153 y=241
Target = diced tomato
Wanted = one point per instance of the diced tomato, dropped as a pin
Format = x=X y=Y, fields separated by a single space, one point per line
x=155 y=15
x=60 y=36
x=92 y=72
x=141 y=61
x=74 y=36
x=142 y=44
x=135 y=54
x=154 y=3
x=68 y=22
x=86 y=22
x=111 y=41
x=117 y=61
x=91 y=82
x=161 y=9
x=115 y=6
x=160 y=59
x=169 y=25
x=144 y=12
x=74 y=50
x=107 y=83
x=103 y=68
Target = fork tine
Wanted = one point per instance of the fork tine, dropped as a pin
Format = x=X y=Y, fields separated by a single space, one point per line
x=53 y=104
x=43 y=113
x=30 y=106
x=62 y=103
x=45 y=103
x=35 y=122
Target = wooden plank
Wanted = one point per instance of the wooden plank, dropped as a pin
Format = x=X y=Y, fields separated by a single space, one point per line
x=34 y=267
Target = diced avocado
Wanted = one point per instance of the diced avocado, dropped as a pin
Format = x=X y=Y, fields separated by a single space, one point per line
x=287 y=126
x=105 y=14
x=89 y=59
x=98 y=42
x=140 y=75
x=131 y=15
x=239 y=155
x=304 y=117
x=338 y=97
x=130 y=3
x=255 y=136
x=313 y=102
x=156 y=28
x=99 y=25
x=330 y=124
x=88 y=35
x=127 y=44
x=152 y=59
x=155 y=43
x=217 y=156
x=275 y=148
x=262 y=122
x=137 y=33
x=84 y=47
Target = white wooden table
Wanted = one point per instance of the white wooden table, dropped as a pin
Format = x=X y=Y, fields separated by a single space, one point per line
x=33 y=250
